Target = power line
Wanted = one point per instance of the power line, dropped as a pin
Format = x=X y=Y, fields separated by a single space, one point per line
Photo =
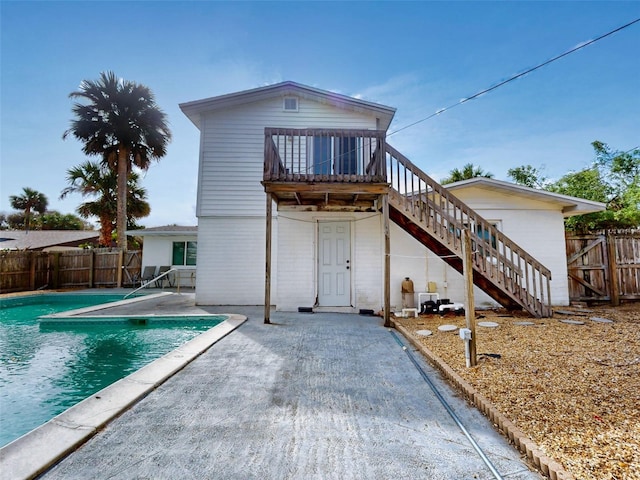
x=515 y=77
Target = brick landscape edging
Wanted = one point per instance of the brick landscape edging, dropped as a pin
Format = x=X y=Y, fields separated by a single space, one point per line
x=547 y=466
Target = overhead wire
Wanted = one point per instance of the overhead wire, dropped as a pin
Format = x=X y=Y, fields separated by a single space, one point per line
x=489 y=89
x=515 y=77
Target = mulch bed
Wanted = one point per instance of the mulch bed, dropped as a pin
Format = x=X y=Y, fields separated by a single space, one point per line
x=573 y=388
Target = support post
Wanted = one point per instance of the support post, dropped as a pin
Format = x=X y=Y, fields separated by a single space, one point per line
x=614 y=286
x=267 y=275
x=469 y=311
x=387 y=261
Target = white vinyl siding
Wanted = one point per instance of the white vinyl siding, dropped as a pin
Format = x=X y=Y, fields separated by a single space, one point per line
x=296 y=270
x=297 y=263
x=231 y=261
x=536 y=226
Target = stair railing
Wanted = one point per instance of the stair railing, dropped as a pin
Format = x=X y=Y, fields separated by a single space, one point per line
x=155 y=280
x=444 y=216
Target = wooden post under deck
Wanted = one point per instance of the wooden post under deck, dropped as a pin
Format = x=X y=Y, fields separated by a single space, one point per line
x=267 y=275
x=387 y=261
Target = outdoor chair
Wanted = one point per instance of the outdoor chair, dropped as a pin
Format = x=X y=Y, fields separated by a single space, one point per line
x=167 y=278
x=148 y=274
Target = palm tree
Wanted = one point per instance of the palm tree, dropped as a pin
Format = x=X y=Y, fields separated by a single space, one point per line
x=92 y=179
x=28 y=201
x=121 y=122
x=467 y=172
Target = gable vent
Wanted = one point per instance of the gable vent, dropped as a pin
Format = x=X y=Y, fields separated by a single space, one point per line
x=290 y=104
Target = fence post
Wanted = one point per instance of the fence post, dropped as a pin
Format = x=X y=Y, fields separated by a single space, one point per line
x=614 y=287
x=32 y=270
x=91 y=267
x=55 y=280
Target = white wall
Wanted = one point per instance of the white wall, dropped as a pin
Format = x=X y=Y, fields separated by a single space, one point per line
x=297 y=263
x=409 y=258
x=231 y=261
x=158 y=249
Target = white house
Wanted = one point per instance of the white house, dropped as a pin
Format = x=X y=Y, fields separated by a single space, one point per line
x=170 y=246
x=302 y=203
x=532 y=218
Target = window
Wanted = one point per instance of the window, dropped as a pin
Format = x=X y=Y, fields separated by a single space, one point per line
x=290 y=104
x=347 y=156
x=184 y=253
x=336 y=155
x=322 y=155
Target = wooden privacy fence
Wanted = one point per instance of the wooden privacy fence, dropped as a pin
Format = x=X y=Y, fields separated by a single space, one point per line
x=604 y=267
x=34 y=270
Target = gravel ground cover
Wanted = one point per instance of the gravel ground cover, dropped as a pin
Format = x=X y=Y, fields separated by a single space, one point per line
x=571 y=382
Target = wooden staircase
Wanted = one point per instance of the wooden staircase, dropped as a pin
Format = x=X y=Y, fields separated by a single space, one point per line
x=436 y=218
x=346 y=170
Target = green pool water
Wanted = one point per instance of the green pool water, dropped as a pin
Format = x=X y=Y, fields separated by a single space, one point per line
x=47 y=368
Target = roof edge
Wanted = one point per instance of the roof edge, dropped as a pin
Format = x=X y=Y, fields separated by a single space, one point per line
x=572 y=205
x=194 y=108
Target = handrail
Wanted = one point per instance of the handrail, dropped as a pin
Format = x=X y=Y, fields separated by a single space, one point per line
x=323 y=155
x=496 y=257
x=163 y=274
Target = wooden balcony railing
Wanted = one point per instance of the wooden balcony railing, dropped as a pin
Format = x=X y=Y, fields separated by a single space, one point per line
x=324 y=155
x=443 y=215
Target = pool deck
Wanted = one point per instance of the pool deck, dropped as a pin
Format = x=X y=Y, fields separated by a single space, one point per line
x=311 y=396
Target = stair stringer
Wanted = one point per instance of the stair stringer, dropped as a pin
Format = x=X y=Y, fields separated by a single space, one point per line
x=436 y=217
x=452 y=256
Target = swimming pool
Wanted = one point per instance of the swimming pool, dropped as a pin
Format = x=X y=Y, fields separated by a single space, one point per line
x=46 y=368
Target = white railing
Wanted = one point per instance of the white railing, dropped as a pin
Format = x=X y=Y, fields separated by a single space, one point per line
x=155 y=280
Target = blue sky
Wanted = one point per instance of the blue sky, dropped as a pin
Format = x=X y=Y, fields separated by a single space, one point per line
x=415 y=56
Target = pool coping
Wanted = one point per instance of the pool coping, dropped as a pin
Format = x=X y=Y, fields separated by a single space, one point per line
x=35 y=452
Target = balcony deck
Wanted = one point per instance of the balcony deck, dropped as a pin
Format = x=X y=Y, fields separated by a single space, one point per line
x=325 y=169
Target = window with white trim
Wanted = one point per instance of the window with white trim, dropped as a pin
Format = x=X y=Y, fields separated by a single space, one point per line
x=290 y=104
x=184 y=253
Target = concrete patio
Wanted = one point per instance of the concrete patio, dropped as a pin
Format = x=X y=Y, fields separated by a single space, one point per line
x=311 y=396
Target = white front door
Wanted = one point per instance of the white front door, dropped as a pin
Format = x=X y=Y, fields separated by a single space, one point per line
x=334 y=264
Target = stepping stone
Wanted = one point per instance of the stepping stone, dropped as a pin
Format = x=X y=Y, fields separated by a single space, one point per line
x=447 y=328
x=570 y=312
x=424 y=333
x=523 y=323
x=488 y=324
x=601 y=320
x=572 y=322
x=583 y=310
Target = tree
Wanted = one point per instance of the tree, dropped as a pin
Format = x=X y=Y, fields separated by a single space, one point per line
x=54 y=220
x=613 y=178
x=590 y=185
x=122 y=123
x=468 y=171
x=96 y=181
x=30 y=200
x=529 y=176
